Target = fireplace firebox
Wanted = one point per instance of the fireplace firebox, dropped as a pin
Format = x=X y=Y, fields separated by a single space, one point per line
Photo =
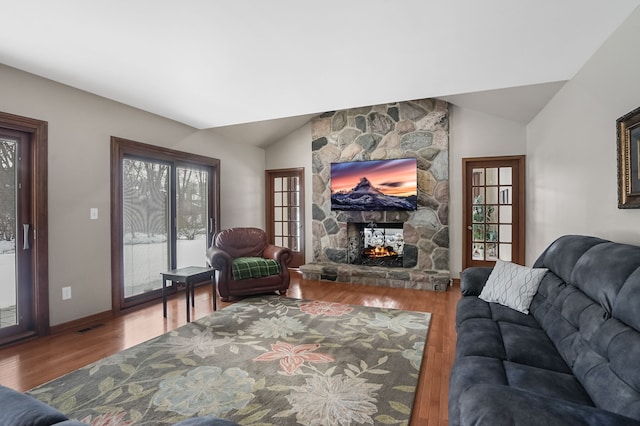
x=376 y=244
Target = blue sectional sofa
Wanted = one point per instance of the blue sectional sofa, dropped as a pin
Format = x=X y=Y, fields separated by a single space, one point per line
x=574 y=359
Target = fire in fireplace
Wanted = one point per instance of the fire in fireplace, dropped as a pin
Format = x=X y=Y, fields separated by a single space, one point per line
x=377 y=245
x=379 y=251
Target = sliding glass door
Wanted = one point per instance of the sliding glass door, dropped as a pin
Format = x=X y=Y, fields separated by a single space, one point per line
x=146 y=236
x=21 y=311
x=164 y=213
x=8 y=231
x=192 y=215
x=24 y=270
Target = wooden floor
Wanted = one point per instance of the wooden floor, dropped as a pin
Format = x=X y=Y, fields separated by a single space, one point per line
x=33 y=363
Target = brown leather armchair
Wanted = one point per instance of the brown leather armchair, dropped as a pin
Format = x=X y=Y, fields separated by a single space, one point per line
x=233 y=243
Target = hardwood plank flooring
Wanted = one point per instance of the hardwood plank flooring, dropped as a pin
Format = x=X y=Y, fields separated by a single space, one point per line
x=33 y=363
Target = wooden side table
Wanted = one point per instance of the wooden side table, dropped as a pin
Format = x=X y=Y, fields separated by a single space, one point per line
x=189 y=275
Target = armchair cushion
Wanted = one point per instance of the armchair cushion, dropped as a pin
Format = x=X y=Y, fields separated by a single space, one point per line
x=253 y=267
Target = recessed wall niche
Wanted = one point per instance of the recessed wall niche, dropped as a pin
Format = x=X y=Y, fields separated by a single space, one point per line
x=411 y=129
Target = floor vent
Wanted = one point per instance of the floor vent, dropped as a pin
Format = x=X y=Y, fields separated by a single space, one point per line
x=91 y=327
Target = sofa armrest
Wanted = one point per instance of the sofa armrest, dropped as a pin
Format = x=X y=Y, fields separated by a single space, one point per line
x=18 y=409
x=498 y=405
x=472 y=280
x=281 y=254
x=219 y=259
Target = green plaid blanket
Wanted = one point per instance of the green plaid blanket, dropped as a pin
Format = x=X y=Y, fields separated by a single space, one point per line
x=253 y=267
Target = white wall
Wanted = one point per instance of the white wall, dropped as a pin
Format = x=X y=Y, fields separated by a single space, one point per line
x=474 y=134
x=294 y=151
x=80 y=127
x=241 y=176
x=571 y=149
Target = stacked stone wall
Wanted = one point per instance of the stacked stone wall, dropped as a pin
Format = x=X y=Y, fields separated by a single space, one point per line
x=412 y=129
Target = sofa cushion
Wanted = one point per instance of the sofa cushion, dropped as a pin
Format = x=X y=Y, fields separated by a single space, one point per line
x=625 y=307
x=480 y=337
x=472 y=307
x=608 y=368
x=488 y=404
x=512 y=285
x=603 y=284
x=531 y=346
x=552 y=384
x=469 y=371
x=561 y=255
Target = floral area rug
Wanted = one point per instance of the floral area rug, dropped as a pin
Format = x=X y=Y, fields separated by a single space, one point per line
x=267 y=360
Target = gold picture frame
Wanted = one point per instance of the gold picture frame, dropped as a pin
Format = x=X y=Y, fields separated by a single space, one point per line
x=628 y=135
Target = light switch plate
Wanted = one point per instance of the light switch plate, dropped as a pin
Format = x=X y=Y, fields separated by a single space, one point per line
x=93 y=213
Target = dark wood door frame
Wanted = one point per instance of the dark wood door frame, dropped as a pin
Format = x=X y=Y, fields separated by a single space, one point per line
x=516 y=161
x=299 y=256
x=38 y=133
x=120 y=148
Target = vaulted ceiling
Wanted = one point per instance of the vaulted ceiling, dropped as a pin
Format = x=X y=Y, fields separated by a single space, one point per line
x=209 y=63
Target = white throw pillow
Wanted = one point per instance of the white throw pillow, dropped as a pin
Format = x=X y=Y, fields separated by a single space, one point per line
x=512 y=285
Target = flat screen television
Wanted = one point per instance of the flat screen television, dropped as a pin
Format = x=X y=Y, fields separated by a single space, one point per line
x=375 y=185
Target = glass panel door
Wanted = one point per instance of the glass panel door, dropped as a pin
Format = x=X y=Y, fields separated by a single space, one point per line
x=192 y=216
x=285 y=211
x=8 y=233
x=24 y=292
x=286 y=207
x=494 y=214
x=146 y=233
x=16 y=235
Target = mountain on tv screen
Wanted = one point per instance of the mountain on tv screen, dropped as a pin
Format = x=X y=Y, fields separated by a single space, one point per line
x=375 y=185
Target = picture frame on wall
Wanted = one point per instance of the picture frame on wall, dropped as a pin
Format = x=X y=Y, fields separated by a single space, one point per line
x=628 y=138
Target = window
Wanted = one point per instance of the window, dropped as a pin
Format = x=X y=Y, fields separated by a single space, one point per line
x=164 y=213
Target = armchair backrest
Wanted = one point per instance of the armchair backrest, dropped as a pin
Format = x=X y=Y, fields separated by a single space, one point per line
x=241 y=242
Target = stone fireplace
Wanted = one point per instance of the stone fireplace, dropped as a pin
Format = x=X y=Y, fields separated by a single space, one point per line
x=420 y=239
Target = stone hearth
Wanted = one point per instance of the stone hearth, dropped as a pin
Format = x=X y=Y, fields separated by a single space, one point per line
x=376 y=275
x=413 y=129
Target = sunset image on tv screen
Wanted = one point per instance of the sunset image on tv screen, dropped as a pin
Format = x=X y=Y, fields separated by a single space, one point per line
x=374 y=185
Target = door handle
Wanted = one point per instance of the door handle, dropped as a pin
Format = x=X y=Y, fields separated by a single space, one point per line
x=470 y=228
x=25 y=236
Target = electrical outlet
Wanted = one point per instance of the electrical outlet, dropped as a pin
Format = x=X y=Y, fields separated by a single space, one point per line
x=66 y=293
x=93 y=213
